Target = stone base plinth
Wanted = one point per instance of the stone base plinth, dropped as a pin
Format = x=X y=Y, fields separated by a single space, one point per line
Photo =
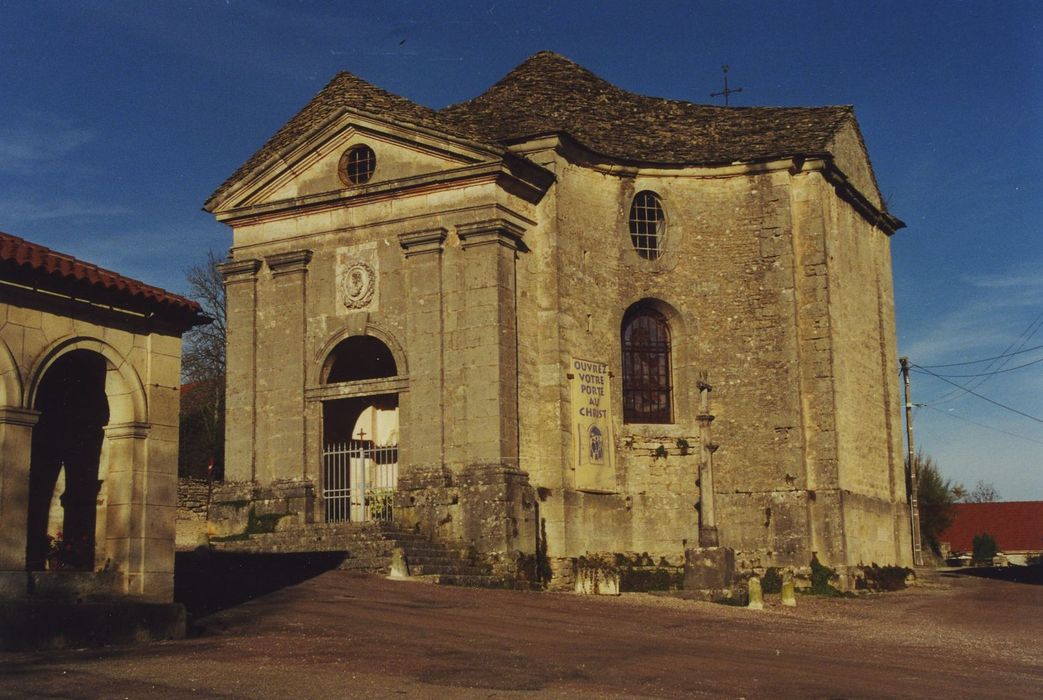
x=709 y=568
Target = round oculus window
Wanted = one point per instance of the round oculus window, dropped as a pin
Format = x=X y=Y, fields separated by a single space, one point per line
x=357 y=165
x=647 y=225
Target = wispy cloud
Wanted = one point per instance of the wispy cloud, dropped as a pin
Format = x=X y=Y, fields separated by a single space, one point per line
x=39 y=141
x=15 y=211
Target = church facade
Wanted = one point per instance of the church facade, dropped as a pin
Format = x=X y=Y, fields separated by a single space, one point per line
x=561 y=319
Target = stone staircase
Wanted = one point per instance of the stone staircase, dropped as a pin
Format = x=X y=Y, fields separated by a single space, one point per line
x=367 y=547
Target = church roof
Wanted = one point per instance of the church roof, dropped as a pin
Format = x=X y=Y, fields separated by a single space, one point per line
x=40 y=267
x=548 y=93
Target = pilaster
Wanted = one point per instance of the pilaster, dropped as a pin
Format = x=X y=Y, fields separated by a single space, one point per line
x=240 y=278
x=282 y=391
x=486 y=341
x=423 y=427
x=16 y=436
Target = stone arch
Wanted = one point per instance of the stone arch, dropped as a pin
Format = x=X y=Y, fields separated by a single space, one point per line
x=10 y=378
x=84 y=454
x=125 y=391
x=325 y=358
x=680 y=353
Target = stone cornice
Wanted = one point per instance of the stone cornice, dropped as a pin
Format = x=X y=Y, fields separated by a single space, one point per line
x=14 y=415
x=527 y=180
x=500 y=231
x=239 y=270
x=287 y=263
x=421 y=242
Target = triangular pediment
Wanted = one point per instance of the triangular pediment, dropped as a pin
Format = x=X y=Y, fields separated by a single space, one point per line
x=313 y=165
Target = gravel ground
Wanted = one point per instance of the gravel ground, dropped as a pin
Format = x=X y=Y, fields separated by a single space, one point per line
x=347 y=635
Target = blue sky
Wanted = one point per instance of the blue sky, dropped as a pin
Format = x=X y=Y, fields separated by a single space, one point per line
x=118 y=119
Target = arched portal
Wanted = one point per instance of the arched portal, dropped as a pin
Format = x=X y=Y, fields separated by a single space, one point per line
x=66 y=449
x=360 y=432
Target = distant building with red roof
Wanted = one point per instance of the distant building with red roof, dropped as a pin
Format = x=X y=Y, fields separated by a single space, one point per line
x=1017 y=527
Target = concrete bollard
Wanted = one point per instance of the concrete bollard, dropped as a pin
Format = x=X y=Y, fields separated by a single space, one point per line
x=789 y=597
x=756 y=594
x=399 y=566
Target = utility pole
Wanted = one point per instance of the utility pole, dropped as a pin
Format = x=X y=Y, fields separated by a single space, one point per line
x=914 y=477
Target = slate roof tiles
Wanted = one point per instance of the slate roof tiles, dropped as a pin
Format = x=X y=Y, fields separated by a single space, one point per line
x=548 y=93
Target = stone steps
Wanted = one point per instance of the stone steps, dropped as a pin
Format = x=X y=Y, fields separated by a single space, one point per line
x=368 y=547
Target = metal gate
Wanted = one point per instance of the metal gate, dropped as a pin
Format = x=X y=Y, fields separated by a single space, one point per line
x=359 y=481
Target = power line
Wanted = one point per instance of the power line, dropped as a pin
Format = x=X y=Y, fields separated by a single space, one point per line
x=984 y=359
x=984 y=398
x=998 y=371
x=1024 y=337
x=981 y=425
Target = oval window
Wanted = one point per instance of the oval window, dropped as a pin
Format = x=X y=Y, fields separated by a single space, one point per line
x=647 y=225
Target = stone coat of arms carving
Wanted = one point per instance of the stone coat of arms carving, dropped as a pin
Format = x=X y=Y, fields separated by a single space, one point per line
x=357 y=285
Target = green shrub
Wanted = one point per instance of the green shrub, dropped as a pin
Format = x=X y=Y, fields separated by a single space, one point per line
x=883 y=578
x=771 y=582
x=984 y=546
x=820 y=576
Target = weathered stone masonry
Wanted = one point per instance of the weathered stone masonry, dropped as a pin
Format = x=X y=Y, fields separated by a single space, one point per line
x=457 y=285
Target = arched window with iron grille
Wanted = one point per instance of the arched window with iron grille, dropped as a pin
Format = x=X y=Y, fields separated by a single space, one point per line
x=647 y=389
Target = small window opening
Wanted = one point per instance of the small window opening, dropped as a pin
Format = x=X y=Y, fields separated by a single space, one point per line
x=647 y=225
x=357 y=165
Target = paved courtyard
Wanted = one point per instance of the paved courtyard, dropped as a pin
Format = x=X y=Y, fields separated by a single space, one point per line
x=346 y=635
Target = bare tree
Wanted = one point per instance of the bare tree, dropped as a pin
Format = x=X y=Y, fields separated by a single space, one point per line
x=983 y=492
x=203 y=375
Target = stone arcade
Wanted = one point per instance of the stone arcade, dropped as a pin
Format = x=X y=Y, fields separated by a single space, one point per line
x=89 y=375
x=565 y=320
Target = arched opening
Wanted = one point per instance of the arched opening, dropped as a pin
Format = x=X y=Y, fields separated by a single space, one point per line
x=647 y=372
x=66 y=453
x=360 y=435
x=360 y=357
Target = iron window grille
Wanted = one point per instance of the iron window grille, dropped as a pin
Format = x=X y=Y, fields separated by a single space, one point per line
x=647 y=387
x=647 y=225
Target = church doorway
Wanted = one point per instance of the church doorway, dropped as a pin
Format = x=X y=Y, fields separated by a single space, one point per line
x=360 y=434
x=65 y=458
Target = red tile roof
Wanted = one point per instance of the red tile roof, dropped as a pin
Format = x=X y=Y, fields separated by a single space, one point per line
x=40 y=267
x=1016 y=525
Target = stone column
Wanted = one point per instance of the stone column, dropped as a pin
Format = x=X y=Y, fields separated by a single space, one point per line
x=707 y=508
x=240 y=365
x=423 y=424
x=16 y=437
x=281 y=385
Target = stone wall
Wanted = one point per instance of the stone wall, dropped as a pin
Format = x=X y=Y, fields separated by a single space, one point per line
x=137 y=471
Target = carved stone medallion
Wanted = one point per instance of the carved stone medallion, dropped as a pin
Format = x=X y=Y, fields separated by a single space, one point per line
x=357 y=285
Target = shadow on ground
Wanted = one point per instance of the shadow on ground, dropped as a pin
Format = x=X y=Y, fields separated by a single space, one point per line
x=1014 y=574
x=207 y=582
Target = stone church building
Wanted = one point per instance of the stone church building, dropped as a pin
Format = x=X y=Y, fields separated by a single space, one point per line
x=564 y=319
